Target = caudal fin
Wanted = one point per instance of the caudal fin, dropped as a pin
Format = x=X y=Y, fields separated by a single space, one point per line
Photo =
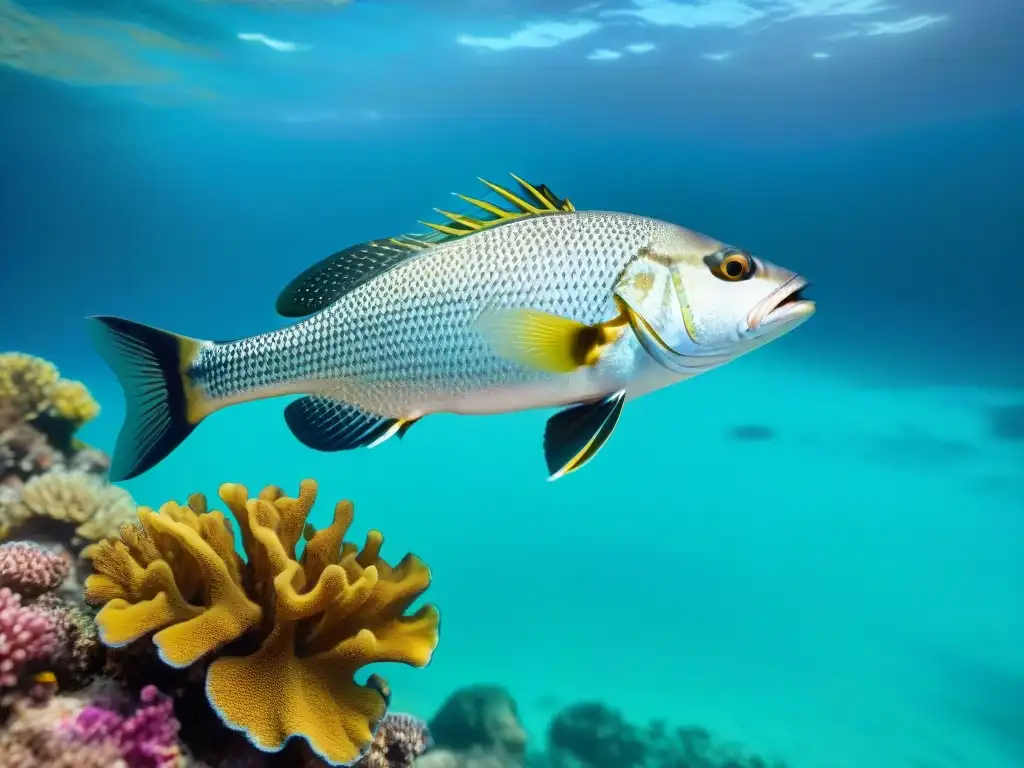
x=162 y=406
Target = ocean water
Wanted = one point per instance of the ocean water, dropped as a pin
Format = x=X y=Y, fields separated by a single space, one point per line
x=817 y=550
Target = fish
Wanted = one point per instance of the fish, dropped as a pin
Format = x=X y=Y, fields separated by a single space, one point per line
x=520 y=303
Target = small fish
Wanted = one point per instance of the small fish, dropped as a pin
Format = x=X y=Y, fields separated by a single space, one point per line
x=524 y=303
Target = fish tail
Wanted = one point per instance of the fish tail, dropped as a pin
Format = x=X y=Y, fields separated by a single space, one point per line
x=163 y=405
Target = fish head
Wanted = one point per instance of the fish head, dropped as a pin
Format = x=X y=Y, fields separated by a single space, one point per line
x=696 y=297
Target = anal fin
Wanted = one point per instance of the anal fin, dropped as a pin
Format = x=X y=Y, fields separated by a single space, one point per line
x=327 y=424
x=573 y=436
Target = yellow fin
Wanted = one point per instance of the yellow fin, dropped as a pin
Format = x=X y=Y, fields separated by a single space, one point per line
x=531 y=200
x=543 y=341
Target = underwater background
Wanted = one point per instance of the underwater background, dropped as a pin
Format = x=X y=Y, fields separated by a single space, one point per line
x=815 y=551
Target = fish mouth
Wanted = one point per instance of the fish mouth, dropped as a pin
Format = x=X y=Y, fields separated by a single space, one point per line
x=785 y=303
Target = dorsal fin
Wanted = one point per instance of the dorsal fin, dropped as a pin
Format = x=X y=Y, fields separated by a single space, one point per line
x=530 y=201
x=331 y=278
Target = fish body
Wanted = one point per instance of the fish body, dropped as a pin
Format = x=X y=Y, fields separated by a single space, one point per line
x=406 y=344
x=539 y=305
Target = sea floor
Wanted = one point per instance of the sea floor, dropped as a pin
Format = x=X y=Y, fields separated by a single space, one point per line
x=827 y=572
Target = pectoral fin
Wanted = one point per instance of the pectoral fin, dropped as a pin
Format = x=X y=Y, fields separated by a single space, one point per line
x=546 y=342
x=574 y=436
x=326 y=424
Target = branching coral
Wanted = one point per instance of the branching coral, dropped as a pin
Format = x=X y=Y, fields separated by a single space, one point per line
x=76 y=500
x=317 y=618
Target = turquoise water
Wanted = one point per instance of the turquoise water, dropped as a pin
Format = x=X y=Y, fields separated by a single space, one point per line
x=843 y=587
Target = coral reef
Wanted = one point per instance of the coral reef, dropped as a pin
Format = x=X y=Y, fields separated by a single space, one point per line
x=477 y=727
x=75 y=508
x=283 y=634
x=94 y=730
x=52 y=486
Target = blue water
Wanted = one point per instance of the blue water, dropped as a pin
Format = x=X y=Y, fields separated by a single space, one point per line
x=848 y=593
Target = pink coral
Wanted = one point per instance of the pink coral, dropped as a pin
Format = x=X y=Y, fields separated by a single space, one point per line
x=31 y=569
x=148 y=738
x=25 y=635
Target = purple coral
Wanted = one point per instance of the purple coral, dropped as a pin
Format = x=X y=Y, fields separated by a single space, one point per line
x=25 y=635
x=31 y=569
x=148 y=738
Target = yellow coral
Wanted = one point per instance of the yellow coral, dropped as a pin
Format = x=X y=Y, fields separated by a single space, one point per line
x=318 y=617
x=25 y=386
x=72 y=401
x=31 y=387
x=96 y=510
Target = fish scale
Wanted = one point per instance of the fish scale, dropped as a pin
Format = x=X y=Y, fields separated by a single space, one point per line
x=395 y=341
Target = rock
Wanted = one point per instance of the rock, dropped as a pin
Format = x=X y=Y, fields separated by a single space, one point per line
x=476 y=757
x=594 y=736
x=481 y=716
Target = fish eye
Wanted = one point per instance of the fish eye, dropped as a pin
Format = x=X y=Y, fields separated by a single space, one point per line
x=731 y=264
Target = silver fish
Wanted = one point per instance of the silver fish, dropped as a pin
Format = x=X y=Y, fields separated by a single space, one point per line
x=524 y=304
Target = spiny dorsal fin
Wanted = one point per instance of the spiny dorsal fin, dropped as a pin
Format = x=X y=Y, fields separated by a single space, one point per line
x=531 y=200
x=331 y=278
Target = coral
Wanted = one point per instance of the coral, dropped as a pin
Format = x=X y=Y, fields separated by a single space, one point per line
x=400 y=739
x=31 y=387
x=33 y=737
x=25 y=386
x=77 y=501
x=30 y=569
x=148 y=738
x=78 y=654
x=479 y=716
x=72 y=402
x=314 y=620
x=96 y=729
x=25 y=452
x=26 y=635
